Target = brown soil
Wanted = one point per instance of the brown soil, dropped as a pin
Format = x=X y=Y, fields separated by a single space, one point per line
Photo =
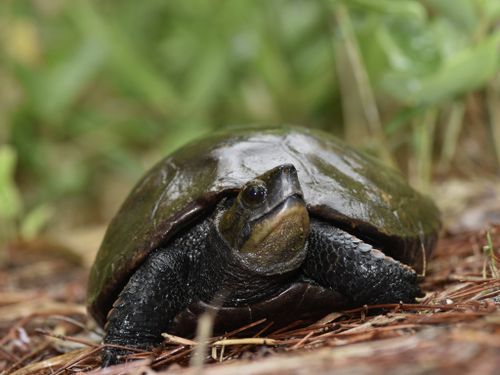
x=44 y=328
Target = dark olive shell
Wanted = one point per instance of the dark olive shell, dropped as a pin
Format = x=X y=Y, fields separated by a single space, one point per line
x=343 y=186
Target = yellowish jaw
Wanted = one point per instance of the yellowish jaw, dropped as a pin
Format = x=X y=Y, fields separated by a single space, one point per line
x=280 y=236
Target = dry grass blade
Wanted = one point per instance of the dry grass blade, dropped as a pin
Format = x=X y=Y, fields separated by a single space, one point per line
x=172 y=339
x=224 y=342
x=246 y=341
x=61 y=361
x=66 y=338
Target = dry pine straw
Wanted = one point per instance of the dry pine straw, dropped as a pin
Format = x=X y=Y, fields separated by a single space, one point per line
x=455 y=327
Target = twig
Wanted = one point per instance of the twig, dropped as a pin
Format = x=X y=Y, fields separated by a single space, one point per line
x=65 y=338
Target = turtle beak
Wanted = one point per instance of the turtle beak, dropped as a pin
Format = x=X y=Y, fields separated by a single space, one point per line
x=283 y=181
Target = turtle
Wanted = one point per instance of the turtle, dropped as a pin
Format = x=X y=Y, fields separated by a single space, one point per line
x=280 y=223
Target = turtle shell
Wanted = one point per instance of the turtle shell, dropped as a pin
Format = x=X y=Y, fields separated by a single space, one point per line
x=341 y=185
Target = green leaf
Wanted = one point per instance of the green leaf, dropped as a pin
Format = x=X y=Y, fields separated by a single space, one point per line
x=464 y=71
x=58 y=89
x=128 y=66
x=461 y=12
x=10 y=198
x=34 y=221
x=207 y=79
x=490 y=9
x=407 y=8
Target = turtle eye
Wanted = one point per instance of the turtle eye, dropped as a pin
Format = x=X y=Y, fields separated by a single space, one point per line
x=254 y=194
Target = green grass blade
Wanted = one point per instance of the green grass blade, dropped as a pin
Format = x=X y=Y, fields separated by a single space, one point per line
x=358 y=100
x=466 y=70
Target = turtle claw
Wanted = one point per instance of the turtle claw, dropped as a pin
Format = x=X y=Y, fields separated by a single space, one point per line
x=109 y=357
x=112 y=356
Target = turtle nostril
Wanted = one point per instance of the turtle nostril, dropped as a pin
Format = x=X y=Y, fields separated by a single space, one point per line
x=287 y=168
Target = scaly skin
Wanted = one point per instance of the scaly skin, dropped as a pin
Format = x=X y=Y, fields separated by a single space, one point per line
x=150 y=300
x=196 y=266
x=340 y=261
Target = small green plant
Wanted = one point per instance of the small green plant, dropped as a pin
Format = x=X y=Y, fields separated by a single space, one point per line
x=10 y=199
x=14 y=221
x=490 y=260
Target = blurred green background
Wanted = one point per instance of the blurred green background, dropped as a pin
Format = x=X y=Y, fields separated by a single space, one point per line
x=92 y=93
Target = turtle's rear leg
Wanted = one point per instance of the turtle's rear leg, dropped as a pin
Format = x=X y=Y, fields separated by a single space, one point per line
x=340 y=261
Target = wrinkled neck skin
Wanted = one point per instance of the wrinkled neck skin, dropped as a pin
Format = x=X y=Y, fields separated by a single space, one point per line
x=236 y=282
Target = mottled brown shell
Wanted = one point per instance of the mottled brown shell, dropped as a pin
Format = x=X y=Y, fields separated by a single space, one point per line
x=340 y=185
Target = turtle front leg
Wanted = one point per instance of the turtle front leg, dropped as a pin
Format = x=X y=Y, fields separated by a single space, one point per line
x=364 y=275
x=155 y=293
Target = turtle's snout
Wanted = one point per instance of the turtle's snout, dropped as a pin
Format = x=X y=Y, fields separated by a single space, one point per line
x=287 y=169
x=282 y=182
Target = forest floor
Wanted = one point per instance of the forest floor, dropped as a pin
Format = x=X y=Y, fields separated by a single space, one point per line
x=455 y=328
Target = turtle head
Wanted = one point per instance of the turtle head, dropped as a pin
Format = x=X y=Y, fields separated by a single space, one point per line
x=268 y=223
